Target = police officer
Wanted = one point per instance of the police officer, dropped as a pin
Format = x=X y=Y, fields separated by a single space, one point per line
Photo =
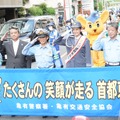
x=45 y=54
x=77 y=46
x=68 y=25
x=54 y=34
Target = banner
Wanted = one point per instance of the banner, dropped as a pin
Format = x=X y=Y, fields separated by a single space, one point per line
x=60 y=92
x=87 y=5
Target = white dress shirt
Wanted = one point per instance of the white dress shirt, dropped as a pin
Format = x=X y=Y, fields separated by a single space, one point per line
x=77 y=38
x=15 y=46
x=111 y=48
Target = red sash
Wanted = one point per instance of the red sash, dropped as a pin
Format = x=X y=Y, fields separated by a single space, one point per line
x=75 y=49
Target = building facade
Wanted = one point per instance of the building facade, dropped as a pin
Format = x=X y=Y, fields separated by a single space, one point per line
x=8 y=9
x=68 y=8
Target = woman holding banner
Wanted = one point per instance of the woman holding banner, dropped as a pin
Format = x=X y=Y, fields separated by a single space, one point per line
x=78 y=47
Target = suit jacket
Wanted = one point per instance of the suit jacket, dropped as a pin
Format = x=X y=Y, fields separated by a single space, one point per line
x=15 y=61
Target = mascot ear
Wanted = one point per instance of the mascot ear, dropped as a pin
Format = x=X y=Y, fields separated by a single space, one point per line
x=82 y=20
x=104 y=16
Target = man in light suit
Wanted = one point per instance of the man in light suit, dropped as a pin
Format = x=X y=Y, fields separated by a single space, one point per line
x=13 y=49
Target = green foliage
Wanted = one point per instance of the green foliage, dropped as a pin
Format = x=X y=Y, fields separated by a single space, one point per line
x=21 y=11
x=50 y=11
x=79 y=7
x=95 y=5
x=100 y=6
x=43 y=7
x=25 y=1
x=36 y=11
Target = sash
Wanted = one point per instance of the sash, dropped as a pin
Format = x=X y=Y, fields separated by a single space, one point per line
x=75 y=49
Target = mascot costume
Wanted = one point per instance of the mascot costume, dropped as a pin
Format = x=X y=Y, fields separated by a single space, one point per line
x=94 y=25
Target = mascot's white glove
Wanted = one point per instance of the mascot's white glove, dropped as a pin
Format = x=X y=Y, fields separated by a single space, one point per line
x=102 y=35
x=33 y=41
x=65 y=33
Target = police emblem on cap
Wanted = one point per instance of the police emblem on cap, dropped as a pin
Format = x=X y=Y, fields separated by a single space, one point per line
x=41 y=32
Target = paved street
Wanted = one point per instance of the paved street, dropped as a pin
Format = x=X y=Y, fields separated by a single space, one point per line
x=51 y=118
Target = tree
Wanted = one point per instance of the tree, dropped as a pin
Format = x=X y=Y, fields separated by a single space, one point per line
x=21 y=12
x=43 y=7
x=36 y=11
x=100 y=6
x=25 y=1
x=95 y=5
x=50 y=11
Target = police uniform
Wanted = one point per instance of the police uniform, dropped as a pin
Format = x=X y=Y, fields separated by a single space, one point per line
x=45 y=56
x=83 y=57
x=53 y=34
x=68 y=26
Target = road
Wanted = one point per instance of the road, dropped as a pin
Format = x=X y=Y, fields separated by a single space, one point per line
x=52 y=118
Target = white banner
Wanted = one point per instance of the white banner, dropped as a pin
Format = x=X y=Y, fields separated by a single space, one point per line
x=87 y=5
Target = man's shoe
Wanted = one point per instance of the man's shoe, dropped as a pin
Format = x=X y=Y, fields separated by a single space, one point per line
x=13 y=115
x=55 y=116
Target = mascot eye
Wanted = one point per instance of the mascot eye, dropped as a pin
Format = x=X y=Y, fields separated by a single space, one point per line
x=90 y=26
x=98 y=25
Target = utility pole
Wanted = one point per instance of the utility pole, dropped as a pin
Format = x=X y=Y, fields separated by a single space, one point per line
x=67 y=9
x=64 y=1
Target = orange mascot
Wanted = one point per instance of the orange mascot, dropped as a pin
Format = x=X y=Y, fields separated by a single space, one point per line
x=94 y=25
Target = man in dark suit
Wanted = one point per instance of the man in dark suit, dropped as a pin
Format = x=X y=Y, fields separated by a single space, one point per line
x=13 y=49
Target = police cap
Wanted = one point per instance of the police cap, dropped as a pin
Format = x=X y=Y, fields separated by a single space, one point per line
x=42 y=33
x=76 y=25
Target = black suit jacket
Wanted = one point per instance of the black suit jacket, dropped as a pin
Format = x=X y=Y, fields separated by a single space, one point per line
x=15 y=61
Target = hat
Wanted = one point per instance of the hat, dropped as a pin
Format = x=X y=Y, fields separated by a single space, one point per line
x=51 y=24
x=68 y=20
x=76 y=25
x=42 y=33
x=93 y=17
